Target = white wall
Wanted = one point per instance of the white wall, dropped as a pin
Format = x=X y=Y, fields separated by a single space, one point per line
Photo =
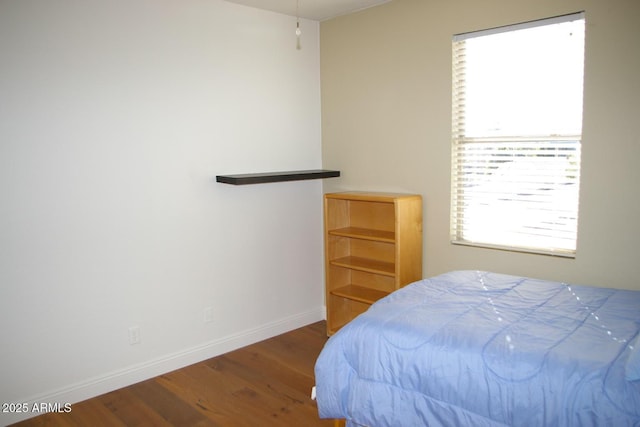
x=115 y=117
x=386 y=112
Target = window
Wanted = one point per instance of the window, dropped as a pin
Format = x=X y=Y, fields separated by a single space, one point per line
x=516 y=136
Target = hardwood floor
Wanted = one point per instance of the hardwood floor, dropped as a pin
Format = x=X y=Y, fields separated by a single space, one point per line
x=264 y=384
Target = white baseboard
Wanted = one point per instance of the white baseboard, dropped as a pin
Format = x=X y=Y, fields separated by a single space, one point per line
x=96 y=386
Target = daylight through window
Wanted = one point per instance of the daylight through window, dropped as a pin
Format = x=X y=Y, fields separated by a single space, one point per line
x=517 y=130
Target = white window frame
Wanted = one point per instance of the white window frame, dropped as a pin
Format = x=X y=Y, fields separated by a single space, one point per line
x=523 y=195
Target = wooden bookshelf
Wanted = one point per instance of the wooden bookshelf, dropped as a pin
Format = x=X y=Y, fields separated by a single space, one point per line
x=373 y=246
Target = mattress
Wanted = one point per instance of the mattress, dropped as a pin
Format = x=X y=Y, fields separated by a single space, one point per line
x=472 y=348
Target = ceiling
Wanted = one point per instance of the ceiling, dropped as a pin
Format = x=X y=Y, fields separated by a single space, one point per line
x=317 y=10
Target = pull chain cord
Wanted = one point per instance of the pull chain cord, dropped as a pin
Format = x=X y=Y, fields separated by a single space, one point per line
x=298 y=32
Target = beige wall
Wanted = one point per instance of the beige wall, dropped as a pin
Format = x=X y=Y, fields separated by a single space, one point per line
x=386 y=114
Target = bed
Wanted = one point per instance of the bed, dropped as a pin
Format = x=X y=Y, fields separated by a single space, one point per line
x=473 y=348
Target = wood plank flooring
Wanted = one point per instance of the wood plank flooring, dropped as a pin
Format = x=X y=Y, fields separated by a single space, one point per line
x=265 y=384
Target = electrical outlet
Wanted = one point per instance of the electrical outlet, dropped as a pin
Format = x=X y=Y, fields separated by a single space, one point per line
x=208 y=315
x=134 y=335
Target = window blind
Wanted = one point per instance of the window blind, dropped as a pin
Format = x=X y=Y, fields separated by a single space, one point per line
x=516 y=136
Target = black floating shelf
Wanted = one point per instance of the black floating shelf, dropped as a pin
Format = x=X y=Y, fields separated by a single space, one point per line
x=261 y=178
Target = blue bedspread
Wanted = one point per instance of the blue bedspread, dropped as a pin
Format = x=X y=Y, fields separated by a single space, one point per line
x=472 y=348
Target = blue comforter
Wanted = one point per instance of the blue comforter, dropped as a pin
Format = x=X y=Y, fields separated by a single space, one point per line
x=472 y=348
